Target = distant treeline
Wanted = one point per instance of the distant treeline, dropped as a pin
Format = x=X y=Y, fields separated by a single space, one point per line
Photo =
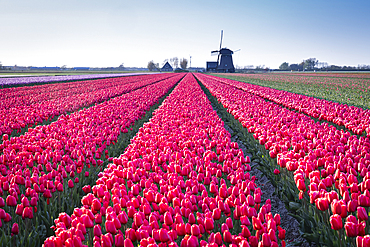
x=312 y=64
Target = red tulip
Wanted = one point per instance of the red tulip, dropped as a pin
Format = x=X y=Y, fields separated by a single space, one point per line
x=216 y=214
x=168 y=219
x=119 y=241
x=322 y=204
x=362 y=214
x=266 y=241
x=227 y=236
x=257 y=225
x=86 y=189
x=11 y=201
x=336 y=222
x=110 y=227
x=19 y=209
x=351 y=229
x=209 y=224
x=15 y=229
x=253 y=241
x=138 y=220
x=195 y=231
x=70 y=183
x=218 y=238
x=164 y=236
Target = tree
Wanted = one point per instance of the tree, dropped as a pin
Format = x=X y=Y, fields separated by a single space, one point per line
x=174 y=62
x=152 y=66
x=296 y=67
x=260 y=67
x=284 y=66
x=309 y=64
x=183 y=63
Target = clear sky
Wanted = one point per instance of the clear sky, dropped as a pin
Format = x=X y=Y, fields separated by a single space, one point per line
x=107 y=33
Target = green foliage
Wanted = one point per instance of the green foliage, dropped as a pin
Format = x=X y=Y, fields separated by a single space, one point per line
x=284 y=66
x=152 y=66
x=309 y=64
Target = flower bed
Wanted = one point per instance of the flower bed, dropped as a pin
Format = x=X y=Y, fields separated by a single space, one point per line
x=353 y=118
x=181 y=182
x=39 y=104
x=350 y=91
x=45 y=79
x=43 y=171
x=330 y=166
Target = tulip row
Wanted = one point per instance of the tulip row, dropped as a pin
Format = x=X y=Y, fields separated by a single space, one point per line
x=48 y=105
x=28 y=95
x=349 y=91
x=181 y=182
x=330 y=166
x=42 y=170
x=44 y=79
x=351 y=83
x=331 y=74
x=353 y=118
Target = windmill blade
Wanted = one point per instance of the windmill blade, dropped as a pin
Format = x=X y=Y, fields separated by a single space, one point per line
x=222 y=32
x=237 y=50
x=218 y=58
x=213 y=53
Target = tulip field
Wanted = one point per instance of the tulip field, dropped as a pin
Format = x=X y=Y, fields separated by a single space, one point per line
x=344 y=88
x=27 y=80
x=146 y=160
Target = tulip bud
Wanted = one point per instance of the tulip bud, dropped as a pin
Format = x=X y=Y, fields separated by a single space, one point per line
x=110 y=227
x=15 y=229
x=257 y=225
x=322 y=204
x=336 y=222
x=11 y=201
x=227 y=236
x=216 y=214
x=362 y=214
x=168 y=219
x=351 y=229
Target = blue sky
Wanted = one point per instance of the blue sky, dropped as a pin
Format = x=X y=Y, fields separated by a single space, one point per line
x=108 y=33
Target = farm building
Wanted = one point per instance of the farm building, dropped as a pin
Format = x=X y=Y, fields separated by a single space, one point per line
x=211 y=66
x=167 y=67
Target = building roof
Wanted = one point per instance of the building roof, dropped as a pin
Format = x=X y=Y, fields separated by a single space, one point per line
x=167 y=67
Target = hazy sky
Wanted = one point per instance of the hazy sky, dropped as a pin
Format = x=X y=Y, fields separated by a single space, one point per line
x=108 y=33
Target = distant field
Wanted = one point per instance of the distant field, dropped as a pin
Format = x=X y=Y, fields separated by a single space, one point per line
x=346 y=88
x=56 y=73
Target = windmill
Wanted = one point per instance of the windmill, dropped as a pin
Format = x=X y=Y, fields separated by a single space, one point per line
x=224 y=59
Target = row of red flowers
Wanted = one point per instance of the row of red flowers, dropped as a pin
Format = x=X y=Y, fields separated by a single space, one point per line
x=27 y=95
x=181 y=182
x=330 y=165
x=37 y=165
x=333 y=81
x=353 y=118
x=31 y=105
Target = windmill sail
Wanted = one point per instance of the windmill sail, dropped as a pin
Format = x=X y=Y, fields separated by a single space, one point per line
x=218 y=58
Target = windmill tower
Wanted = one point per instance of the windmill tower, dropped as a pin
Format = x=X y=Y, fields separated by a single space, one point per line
x=224 y=59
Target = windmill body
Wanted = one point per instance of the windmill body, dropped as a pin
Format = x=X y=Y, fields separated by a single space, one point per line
x=224 y=62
